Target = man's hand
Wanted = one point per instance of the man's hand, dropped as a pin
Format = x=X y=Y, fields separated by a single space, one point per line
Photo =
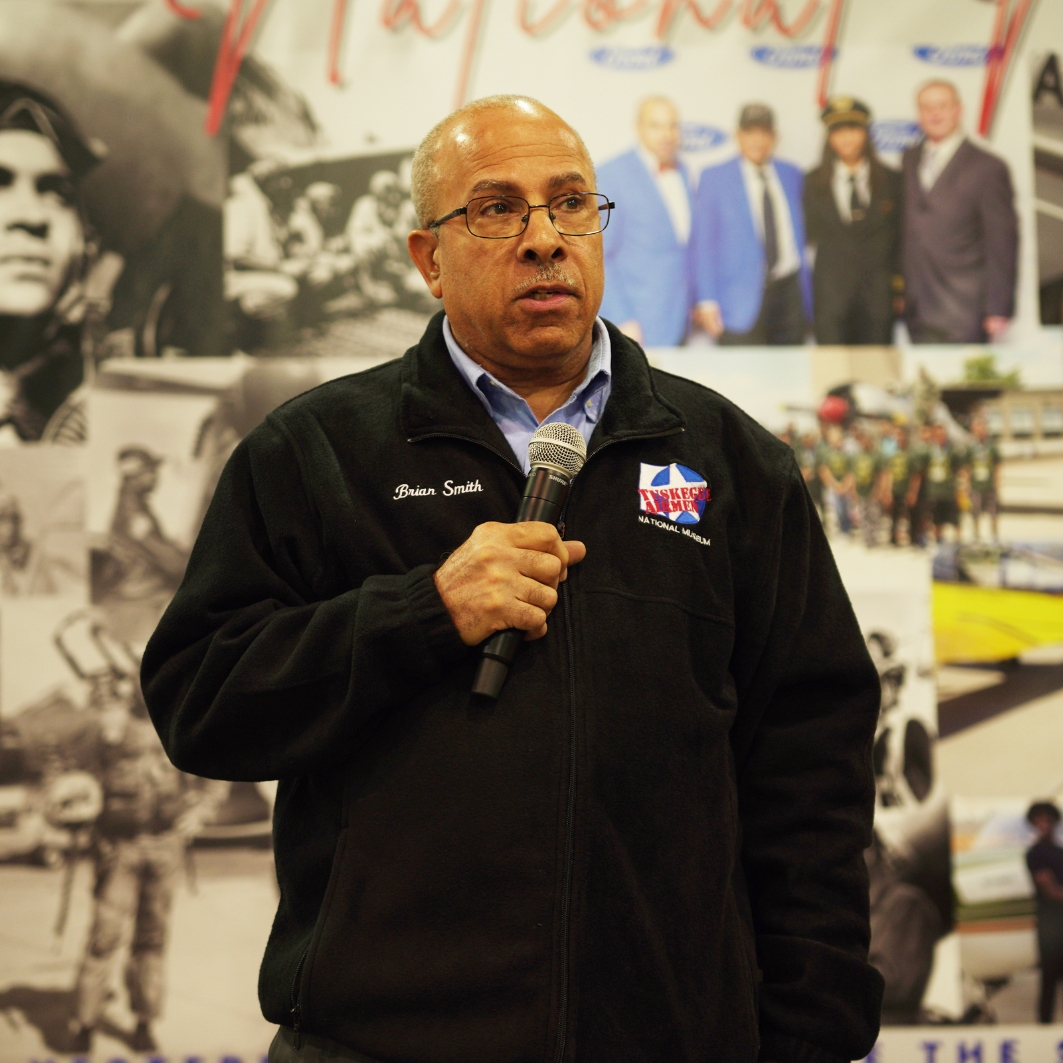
x=708 y=316
x=995 y=326
x=503 y=576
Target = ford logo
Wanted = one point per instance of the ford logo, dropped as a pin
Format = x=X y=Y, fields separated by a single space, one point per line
x=952 y=54
x=791 y=57
x=697 y=137
x=647 y=58
x=895 y=134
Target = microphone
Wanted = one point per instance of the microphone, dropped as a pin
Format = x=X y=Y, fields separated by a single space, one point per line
x=556 y=453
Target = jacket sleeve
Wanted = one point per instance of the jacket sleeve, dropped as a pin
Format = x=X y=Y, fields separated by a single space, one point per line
x=704 y=243
x=1001 y=233
x=808 y=706
x=251 y=673
x=616 y=302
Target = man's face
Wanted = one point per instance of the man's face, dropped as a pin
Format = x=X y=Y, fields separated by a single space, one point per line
x=1044 y=824
x=41 y=234
x=756 y=144
x=658 y=129
x=939 y=112
x=530 y=298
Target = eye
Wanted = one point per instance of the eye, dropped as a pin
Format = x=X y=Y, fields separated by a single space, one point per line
x=496 y=208
x=7 y=177
x=569 y=203
x=58 y=185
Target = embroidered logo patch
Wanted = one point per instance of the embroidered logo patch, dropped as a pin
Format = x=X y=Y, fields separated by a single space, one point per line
x=673 y=491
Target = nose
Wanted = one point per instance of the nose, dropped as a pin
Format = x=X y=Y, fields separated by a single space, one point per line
x=25 y=208
x=540 y=241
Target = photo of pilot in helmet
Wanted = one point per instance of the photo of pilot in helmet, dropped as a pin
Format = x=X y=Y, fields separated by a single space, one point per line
x=46 y=246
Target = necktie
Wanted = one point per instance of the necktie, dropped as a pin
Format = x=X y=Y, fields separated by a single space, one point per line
x=771 y=236
x=856 y=206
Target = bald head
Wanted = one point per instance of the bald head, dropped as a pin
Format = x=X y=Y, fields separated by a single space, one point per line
x=658 y=128
x=467 y=126
x=940 y=109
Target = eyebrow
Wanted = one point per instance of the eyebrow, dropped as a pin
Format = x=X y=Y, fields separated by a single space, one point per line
x=509 y=188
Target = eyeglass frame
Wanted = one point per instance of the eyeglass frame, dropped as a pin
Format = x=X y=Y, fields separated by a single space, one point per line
x=608 y=205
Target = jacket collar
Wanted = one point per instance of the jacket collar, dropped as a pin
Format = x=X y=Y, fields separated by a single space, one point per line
x=436 y=401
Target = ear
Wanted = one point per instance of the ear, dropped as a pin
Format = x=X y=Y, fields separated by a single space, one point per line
x=423 y=245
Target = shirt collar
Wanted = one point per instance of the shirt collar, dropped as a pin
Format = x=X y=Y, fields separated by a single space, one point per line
x=863 y=168
x=495 y=395
x=652 y=163
x=751 y=170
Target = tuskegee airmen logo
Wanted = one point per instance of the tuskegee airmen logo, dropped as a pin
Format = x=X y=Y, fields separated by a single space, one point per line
x=673 y=491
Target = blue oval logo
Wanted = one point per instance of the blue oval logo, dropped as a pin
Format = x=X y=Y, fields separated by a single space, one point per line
x=790 y=57
x=698 y=137
x=647 y=58
x=952 y=54
x=895 y=134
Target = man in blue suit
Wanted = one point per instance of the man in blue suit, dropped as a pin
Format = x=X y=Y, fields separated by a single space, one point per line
x=646 y=284
x=747 y=245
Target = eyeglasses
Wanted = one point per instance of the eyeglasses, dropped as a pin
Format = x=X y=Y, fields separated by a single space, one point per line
x=503 y=217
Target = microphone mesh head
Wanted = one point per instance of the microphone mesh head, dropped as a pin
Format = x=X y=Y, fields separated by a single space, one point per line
x=560 y=445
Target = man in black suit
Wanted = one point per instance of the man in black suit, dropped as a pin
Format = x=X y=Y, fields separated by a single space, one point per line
x=852 y=217
x=960 y=230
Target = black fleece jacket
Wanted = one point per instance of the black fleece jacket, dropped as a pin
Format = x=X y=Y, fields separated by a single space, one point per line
x=649 y=849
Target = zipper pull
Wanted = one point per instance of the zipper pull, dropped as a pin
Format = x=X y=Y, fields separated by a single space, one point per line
x=296 y=1013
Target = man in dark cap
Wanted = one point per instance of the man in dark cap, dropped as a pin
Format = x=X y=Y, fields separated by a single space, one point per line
x=1045 y=860
x=44 y=253
x=852 y=211
x=747 y=242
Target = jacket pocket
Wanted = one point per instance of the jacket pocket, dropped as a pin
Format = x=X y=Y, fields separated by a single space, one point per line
x=302 y=995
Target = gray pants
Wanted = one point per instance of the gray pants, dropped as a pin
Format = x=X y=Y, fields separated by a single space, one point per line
x=311 y=1050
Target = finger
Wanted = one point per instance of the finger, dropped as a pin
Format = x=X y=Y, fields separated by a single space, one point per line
x=531 y=636
x=524 y=616
x=576 y=550
x=541 y=567
x=538 y=594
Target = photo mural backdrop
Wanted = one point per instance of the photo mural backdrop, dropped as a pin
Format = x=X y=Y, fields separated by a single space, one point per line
x=213 y=200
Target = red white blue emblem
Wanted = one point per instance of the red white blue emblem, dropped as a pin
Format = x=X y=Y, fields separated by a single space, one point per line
x=673 y=491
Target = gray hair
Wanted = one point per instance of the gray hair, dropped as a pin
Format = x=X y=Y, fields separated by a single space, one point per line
x=424 y=173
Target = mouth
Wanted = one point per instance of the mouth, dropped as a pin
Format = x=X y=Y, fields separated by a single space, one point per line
x=548 y=296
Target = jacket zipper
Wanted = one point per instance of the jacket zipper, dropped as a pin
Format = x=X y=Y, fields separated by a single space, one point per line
x=570 y=810
x=570 y=832
x=296 y=1011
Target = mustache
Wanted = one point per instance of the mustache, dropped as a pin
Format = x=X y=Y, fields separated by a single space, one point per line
x=548 y=273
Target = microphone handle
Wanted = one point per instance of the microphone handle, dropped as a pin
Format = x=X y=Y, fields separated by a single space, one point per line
x=544 y=497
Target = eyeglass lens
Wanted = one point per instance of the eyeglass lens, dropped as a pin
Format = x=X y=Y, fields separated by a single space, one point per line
x=575 y=214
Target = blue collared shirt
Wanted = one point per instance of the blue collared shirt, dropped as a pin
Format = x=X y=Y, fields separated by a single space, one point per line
x=512 y=413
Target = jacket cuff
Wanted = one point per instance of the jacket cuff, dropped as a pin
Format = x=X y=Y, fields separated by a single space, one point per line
x=442 y=642
x=780 y=1048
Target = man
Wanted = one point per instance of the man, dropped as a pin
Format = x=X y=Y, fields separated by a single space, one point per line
x=646 y=285
x=983 y=460
x=1045 y=862
x=43 y=258
x=141 y=562
x=747 y=244
x=905 y=474
x=376 y=232
x=869 y=475
x=557 y=874
x=961 y=234
x=942 y=463
x=835 y=471
x=150 y=813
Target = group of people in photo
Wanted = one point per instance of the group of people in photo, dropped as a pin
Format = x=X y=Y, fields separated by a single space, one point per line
x=891 y=481
x=757 y=252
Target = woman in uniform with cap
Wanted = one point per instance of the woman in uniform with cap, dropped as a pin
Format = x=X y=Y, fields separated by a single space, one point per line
x=852 y=216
